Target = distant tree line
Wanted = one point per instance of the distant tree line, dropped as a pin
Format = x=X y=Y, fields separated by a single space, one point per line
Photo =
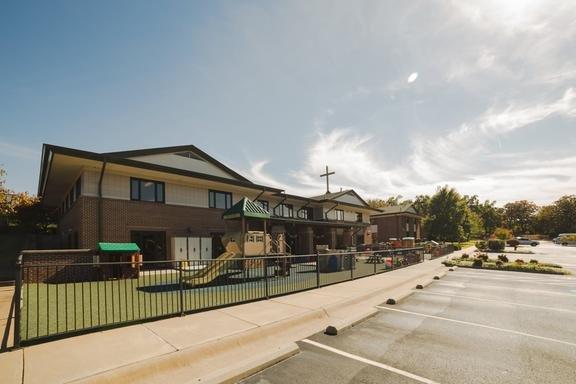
x=449 y=216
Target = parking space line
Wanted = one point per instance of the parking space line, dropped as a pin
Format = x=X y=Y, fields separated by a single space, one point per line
x=370 y=362
x=511 y=331
x=458 y=284
x=496 y=301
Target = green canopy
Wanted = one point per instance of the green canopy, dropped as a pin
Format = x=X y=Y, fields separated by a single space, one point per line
x=118 y=247
x=246 y=208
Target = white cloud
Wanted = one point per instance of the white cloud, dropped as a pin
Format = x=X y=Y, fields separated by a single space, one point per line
x=412 y=78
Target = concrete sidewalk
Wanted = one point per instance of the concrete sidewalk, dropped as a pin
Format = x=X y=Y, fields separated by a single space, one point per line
x=214 y=346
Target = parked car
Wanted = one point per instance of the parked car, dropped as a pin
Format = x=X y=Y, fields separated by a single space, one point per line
x=527 y=241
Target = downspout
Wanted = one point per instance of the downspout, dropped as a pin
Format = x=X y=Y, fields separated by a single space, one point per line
x=100 y=205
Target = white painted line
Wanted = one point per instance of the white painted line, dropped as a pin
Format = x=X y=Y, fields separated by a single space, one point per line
x=371 y=362
x=511 y=331
x=471 y=285
x=495 y=301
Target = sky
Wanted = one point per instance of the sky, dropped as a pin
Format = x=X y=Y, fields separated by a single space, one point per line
x=396 y=97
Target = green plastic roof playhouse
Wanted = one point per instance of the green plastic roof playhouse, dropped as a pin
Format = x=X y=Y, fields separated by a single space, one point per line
x=246 y=208
x=118 y=247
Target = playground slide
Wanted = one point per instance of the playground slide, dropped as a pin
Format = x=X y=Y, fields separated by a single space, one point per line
x=215 y=268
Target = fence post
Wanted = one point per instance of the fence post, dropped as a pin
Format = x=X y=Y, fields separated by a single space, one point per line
x=17 y=298
x=374 y=259
x=317 y=269
x=351 y=256
x=181 y=284
x=265 y=263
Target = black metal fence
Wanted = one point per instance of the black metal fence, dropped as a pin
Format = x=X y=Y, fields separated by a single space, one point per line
x=59 y=300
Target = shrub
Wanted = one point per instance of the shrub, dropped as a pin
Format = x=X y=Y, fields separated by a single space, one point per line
x=513 y=243
x=482 y=256
x=464 y=256
x=477 y=263
x=499 y=263
x=533 y=261
x=502 y=233
x=503 y=258
x=457 y=247
x=519 y=261
x=481 y=245
x=496 y=245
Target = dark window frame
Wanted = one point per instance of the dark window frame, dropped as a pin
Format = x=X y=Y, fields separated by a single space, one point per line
x=138 y=196
x=359 y=217
x=264 y=204
x=212 y=199
x=339 y=214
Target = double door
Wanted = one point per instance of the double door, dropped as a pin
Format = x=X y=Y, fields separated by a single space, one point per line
x=192 y=248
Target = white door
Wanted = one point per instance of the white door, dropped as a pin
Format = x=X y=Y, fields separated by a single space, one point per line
x=194 y=252
x=179 y=251
x=206 y=244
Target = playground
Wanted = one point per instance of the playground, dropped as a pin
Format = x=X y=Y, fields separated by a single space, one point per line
x=53 y=309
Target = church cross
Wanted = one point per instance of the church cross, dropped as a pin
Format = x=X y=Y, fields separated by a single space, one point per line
x=327 y=176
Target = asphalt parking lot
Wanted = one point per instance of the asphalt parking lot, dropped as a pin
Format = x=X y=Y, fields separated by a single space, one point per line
x=471 y=326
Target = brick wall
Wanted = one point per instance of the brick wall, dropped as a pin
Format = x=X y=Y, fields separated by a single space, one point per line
x=394 y=226
x=57 y=266
x=120 y=217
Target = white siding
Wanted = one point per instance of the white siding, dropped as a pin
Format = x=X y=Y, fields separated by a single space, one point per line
x=113 y=186
x=185 y=195
x=349 y=198
x=180 y=162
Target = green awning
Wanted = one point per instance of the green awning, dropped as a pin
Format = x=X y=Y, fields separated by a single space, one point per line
x=246 y=208
x=118 y=247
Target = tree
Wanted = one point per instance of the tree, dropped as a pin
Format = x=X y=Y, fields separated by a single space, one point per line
x=21 y=211
x=519 y=216
x=380 y=203
x=422 y=205
x=491 y=216
x=448 y=216
x=559 y=217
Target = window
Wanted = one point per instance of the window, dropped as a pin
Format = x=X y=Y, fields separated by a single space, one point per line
x=359 y=217
x=284 y=210
x=218 y=199
x=146 y=190
x=78 y=187
x=306 y=213
x=263 y=204
x=339 y=215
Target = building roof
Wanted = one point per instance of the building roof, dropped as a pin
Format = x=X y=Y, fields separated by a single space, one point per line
x=246 y=208
x=338 y=197
x=396 y=210
x=118 y=247
x=50 y=151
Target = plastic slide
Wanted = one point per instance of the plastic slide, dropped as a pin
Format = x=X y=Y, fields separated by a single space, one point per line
x=215 y=268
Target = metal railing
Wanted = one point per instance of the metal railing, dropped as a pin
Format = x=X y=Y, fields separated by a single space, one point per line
x=58 y=300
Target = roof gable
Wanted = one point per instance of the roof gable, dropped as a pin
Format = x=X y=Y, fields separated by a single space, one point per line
x=348 y=196
x=398 y=209
x=187 y=158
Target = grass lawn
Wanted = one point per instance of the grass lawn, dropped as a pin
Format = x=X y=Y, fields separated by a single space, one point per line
x=52 y=309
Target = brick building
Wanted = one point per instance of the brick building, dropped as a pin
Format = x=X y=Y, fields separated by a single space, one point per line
x=155 y=196
x=397 y=222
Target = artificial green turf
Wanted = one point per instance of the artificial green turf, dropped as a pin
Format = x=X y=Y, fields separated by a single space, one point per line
x=52 y=309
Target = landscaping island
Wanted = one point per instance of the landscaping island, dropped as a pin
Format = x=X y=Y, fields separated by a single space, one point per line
x=482 y=261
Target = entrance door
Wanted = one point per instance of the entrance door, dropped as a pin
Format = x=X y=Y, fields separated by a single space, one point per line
x=152 y=245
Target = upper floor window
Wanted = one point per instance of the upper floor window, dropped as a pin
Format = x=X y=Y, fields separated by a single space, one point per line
x=306 y=213
x=146 y=190
x=263 y=204
x=218 y=199
x=339 y=214
x=359 y=217
x=284 y=210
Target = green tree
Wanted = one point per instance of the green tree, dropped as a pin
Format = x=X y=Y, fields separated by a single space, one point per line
x=448 y=216
x=391 y=201
x=559 y=217
x=519 y=216
x=422 y=205
x=491 y=217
